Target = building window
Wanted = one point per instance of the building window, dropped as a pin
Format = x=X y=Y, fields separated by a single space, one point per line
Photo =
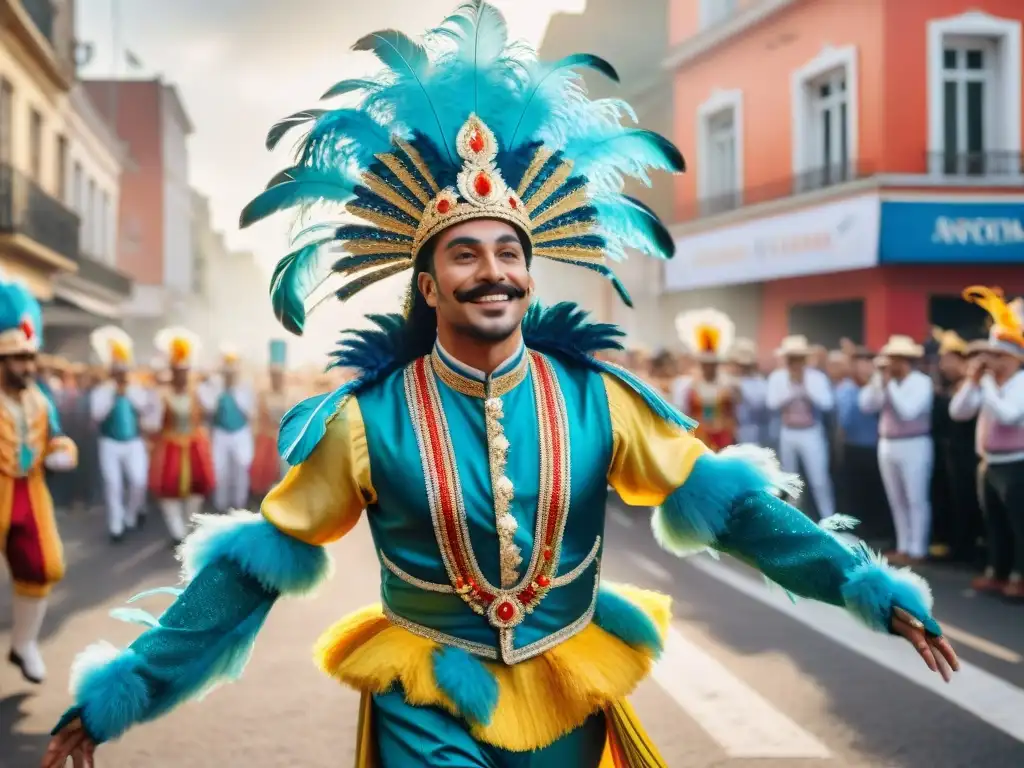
x=89 y=219
x=714 y=12
x=720 y=151
x=35 y=139
x=6 y=120
x=77 y=190
x=825 y=120
x=974 y=95
x=62 y=169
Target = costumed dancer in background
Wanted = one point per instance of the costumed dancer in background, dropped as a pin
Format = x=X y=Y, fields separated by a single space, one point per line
x=30 y=439
x=903 y=397
x=496 y=643
x=993 y=391
x=181 y=467
x=230 y=404
x=709 y=396
x=267 y=465
x=802 y=394
x=751 y=411
x=118 y=407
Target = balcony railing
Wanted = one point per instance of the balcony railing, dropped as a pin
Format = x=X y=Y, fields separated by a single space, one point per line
x=42 y=14
x=808 y=181
x=976 y=163
x=25 y=209
x=98 y=273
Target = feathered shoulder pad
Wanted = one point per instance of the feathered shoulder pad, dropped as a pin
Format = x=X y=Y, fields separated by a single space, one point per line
x=561 y=331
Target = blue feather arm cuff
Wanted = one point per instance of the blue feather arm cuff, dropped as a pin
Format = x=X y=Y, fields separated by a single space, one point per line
x=235 y=568
x=728 y=503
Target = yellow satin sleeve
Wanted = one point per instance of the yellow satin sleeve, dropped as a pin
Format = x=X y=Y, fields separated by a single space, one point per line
x=320 y=500
x=650 y=457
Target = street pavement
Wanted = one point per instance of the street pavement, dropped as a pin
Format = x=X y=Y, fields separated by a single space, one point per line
x=748 y=678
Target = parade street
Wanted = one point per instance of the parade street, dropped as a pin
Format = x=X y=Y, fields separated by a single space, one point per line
x=748 y=677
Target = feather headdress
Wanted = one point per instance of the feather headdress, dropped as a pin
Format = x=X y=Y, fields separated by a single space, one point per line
x=461 y=125
x=1007 y=331
x=707 y=333
x=21 y=319
x=178 y=345
x=112 y=346
x=230 y=356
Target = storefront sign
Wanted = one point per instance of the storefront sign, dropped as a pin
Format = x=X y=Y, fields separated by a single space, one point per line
x=827 y=238
x=940 y=233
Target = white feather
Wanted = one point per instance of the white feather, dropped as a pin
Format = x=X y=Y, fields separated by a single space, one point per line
x=102 y=338
x=688 y=325
x=764 y=460
x=165 y=339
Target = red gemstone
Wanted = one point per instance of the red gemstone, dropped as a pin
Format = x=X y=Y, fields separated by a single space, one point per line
x=527 y=595
x=482 y=184
x=459 y=583
x=505 y=611
x=476 y=142
x=543 y=581
x=27 y=329
x=443 y=206
x=548 y=554
x=471 y=583
x=512 y=203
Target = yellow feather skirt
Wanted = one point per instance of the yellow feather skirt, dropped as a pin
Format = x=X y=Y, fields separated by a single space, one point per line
x=539 y=700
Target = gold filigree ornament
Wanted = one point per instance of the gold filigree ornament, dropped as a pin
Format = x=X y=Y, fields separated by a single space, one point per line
x=479 y=184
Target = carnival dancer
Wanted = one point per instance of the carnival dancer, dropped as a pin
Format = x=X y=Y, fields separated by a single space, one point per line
x=30 y=439
x=181 y=468
x=751 y=411
x=993 y=391
x=267 y=466
x=903 y=397
x=709 y=396
x=117 y=407
x=231 y=405
x=801 y=395
x=465 y=421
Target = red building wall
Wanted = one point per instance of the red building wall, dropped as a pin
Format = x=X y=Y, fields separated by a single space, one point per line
x=134 y=108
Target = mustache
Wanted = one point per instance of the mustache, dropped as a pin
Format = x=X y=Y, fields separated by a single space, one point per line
x=495 y=289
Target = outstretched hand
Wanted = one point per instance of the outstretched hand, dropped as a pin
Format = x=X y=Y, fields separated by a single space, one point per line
x=936 y=651
x=70 y=741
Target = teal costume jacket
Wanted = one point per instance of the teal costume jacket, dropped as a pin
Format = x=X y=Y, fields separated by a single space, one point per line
x=486 y=499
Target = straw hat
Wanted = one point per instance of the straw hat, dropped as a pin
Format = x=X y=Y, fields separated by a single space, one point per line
x=902 y=346
x=949 y=342
x=743 y=352
x=794 y=346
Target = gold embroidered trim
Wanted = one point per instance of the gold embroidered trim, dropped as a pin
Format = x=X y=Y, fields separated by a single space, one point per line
x=502 y=491
x=360 y=247
x=499 y=386
x=540 y=157
x=418 y=163
x=576 y=229
x=386 y=223
x=377 y=185
x=429 y=586
x=575 y=573
x=574 y=253
x=478 y=649
x=547 y=189
x=512 y=655
x=397 y=167
x=575 y=199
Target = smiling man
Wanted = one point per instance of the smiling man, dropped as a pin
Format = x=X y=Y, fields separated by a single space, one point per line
x=480 y=436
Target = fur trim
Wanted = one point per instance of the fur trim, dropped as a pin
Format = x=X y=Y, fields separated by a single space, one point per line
x=874 y=588
x=277 y=561
x=618 y=616
x=467 y=682
x=697 y=513
x=112 y=693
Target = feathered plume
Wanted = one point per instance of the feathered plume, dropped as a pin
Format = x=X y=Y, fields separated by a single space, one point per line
x=112 y=346
x=178 y=345
x=1008 y=319
x=385 y=158
x=706 y=331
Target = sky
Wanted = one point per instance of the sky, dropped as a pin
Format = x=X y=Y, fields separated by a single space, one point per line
x=240 y=65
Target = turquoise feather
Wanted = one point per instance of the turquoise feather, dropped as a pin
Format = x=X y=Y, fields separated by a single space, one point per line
x=305 y=424
x=283 y=126
x=295 y=278
x=135 y=616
